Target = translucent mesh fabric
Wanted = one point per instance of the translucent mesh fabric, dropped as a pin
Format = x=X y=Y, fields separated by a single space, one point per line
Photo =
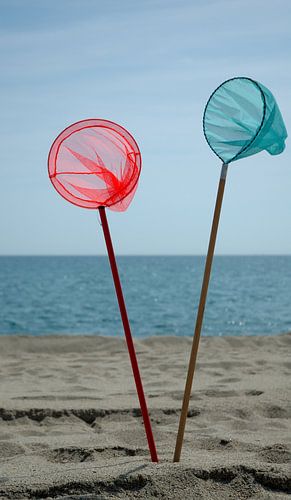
x=242 y=118
x=95 y=163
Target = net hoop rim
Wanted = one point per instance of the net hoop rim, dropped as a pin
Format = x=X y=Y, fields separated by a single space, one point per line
x=101 y=120
x=259 y=128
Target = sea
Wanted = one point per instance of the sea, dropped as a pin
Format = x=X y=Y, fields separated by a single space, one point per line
x=248 y=295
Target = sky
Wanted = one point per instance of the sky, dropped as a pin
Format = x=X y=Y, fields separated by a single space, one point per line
x=149 y=65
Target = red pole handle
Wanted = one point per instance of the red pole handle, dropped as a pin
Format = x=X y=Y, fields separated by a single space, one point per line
x=128 y=336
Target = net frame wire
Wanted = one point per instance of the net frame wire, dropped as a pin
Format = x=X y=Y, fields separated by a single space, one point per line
x=53 y=175
x=244 y=148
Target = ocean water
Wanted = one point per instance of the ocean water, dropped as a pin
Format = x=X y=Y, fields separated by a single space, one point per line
x=75 y=295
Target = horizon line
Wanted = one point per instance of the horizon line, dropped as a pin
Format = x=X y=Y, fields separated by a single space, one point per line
x=153 y=255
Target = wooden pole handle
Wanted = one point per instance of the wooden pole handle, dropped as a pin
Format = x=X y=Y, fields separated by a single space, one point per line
x=128 y=336
x=200 y=314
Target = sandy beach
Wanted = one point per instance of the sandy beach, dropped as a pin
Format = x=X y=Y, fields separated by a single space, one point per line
x=70 y=425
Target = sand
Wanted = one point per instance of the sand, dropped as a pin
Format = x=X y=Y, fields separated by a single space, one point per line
x=70 y=425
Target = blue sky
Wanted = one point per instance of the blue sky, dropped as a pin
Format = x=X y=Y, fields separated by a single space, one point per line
x=149 y=65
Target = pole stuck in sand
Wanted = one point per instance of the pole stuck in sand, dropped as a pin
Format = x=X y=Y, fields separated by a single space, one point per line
x=241 y=118
x=96 y=164
x=200 y=313
x=128 y=336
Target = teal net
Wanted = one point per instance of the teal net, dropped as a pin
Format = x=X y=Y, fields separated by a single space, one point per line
x=242 y=118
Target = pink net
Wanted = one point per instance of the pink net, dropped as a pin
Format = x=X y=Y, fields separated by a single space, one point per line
x=95 y=163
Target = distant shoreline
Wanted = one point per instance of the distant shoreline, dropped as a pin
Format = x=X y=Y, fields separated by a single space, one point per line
x=138 y=338
x=148 y=255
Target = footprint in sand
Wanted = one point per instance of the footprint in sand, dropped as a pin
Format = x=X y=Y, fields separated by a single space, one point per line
x=277 y=453
x=80 y=454
x=8 y=449
x=254 y=392
x=273 y=411
x=214 y=393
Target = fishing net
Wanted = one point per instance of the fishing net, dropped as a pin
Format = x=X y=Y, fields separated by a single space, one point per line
x=242 y=118
x=95 y=163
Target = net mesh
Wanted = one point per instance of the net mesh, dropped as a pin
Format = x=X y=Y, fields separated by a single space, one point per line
x=95 y=163
x=242 y=118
